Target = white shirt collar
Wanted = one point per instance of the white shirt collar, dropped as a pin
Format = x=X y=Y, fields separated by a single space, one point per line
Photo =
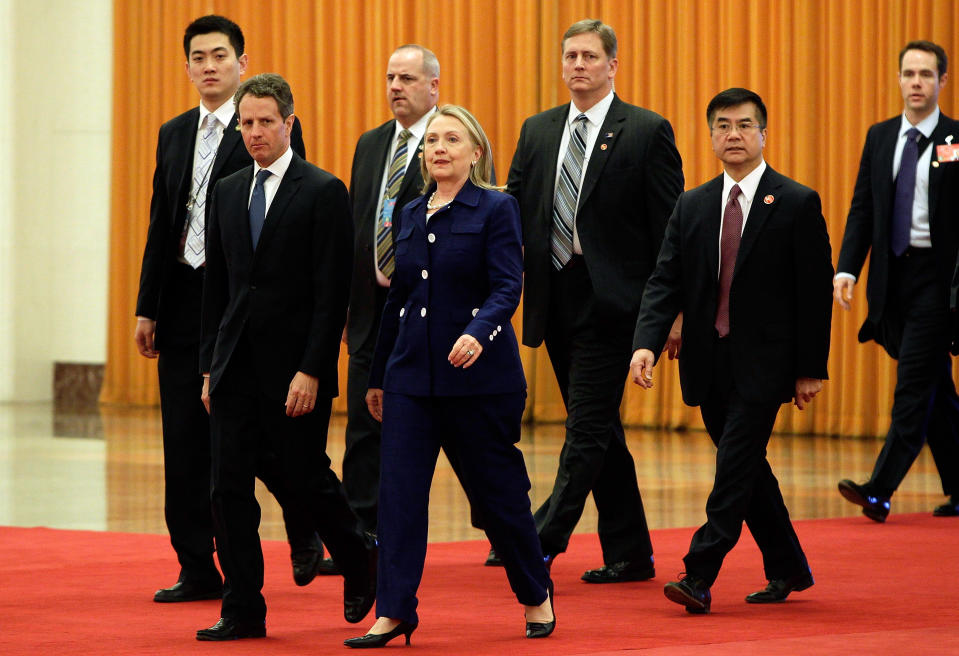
x=418 y=129
x=926 y=125
x=595 y=114
x=747 y=185
x=279 y=166
x=224 y=113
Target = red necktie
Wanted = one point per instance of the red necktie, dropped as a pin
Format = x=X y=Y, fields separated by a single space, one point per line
x=729 y=248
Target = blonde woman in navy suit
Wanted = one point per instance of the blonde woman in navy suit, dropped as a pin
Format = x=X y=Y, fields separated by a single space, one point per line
x=447 y=373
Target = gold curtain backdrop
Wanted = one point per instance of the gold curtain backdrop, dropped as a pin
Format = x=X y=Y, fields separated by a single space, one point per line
x=825 y=68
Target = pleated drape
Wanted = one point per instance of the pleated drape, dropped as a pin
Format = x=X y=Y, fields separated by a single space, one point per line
x=825 y=68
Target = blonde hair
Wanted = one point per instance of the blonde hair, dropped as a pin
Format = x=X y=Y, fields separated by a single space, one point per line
x=481 y=173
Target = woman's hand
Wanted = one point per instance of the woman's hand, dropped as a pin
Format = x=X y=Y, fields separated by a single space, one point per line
x=465 y=351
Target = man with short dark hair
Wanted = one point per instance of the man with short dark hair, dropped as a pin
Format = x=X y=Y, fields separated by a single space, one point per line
x=195 y=150
x=903 y=215
x=746 y=259
x=596 y=180
x=274 y=301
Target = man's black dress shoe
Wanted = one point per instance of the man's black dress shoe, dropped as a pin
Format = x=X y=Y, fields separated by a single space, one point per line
x=950 y=509
x=305 y=564
x=619 y=572
x=778 y=589
x=359 y=589
x=692 y=592
x=187 y=591
x=371 y=640
x=227 y=629
x=874 y=506
x=327 y=567
x=492 y=560
x=548 y=561
x=543 y=629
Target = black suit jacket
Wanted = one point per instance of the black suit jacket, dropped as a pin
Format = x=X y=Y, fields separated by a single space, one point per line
x=633 y=177
x=166 y=295
x=289 y=296
x=870 y=216
x=780 y=301
x=369 y=163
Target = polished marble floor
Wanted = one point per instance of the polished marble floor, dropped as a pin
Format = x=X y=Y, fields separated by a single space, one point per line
x=104 y=471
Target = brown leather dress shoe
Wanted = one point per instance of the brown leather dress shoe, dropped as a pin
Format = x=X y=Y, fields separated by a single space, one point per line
x=620 y=572
x=228 y=629
x=691 y=592
x=189 y=591
x=778 y=589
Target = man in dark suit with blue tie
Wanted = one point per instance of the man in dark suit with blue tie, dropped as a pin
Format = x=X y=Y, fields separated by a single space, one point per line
x=279 y=258
x=596 y=180
x=194 y=150
x=903 y=215
x=746 y=259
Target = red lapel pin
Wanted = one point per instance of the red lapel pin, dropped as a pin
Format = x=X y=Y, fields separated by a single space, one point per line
x=769 y=199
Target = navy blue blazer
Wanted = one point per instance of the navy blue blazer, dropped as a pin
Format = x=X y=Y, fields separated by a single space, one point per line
x=461 y=273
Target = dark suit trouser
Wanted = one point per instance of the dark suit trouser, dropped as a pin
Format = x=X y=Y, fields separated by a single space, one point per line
x=745 y=488
x=590 y=357
x=916 y=331
x=481 y=432
x=361 y=460
x=248 y=429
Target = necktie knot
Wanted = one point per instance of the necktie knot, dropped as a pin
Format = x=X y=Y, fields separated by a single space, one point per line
x=403 y=136
x=913 y=134
x=262 y=176
x=580 y=119
x=734 y=192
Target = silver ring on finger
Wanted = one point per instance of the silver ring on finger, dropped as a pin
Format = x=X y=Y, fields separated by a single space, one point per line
x=469 y=353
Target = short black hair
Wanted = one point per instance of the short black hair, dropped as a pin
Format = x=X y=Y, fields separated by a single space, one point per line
x=214 y=23
x=928 y=46
x=733 y=97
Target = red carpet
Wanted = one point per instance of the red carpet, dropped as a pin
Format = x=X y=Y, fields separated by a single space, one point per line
x=881 y=589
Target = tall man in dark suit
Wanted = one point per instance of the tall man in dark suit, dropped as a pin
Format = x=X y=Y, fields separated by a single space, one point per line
x=274 y=302
x=903 y=212
x=385 y=177
x=194 y=150
x=746 y=258
x=596 y=180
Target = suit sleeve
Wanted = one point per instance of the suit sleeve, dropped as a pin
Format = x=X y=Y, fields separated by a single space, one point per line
x=663 y=296
x=151 y=270
x=504 y=266
x=332 y=252
x=664 y=183
x=215 y=285
x=857 y=237
x=812 y=256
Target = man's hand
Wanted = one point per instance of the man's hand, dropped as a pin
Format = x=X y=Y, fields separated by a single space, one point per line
x=143 y=336
x=205 y=394
x=675 y=339
x=302 y=395
x=842 y=291
x=374 y=402
x=641 y=368
x=806 y=389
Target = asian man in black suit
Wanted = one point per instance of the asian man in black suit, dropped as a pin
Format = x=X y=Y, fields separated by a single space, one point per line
x=279 y=257
x=903 y=214
x=746 y=258
x=596 y=180
x=194 y=150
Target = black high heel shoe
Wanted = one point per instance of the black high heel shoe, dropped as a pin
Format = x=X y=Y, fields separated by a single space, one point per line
x=543 y=629
x=371 y=640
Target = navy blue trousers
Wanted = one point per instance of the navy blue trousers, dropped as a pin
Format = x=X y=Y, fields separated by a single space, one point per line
x=481 y=432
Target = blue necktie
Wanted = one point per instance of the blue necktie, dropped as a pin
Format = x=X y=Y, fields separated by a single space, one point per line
x=258 y=206
x=905 y=192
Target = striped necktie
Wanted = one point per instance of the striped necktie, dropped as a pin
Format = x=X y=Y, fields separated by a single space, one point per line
x=384 y=223
x=567 y=195
x=194 y=235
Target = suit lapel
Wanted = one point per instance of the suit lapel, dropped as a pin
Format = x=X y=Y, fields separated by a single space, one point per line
x=549 y=151
x=228 y=142
x=412 y=171
x=605 y=142
x=944 y=128
x=885 y=152
x=763 y=204
x=710 y=234
x=186 y=136
x=284 y=194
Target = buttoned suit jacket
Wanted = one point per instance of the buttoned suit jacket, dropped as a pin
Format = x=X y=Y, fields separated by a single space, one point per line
x=369 y=163
x=780 y=299
x=289 y=297
x=633 y=177
x=869 y=222
x=172 y=302
x=461 y=273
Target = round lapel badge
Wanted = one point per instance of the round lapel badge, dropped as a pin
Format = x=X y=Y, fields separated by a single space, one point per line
x=769 y=199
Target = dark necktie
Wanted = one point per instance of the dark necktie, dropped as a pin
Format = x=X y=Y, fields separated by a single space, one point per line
x=258 y=206
x=384 y=223
x=567 y=195
x=905 y=192
x=728 y=249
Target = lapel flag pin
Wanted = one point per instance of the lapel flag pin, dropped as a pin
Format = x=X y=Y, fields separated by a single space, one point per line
x=609 y=135
x=769 y=199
